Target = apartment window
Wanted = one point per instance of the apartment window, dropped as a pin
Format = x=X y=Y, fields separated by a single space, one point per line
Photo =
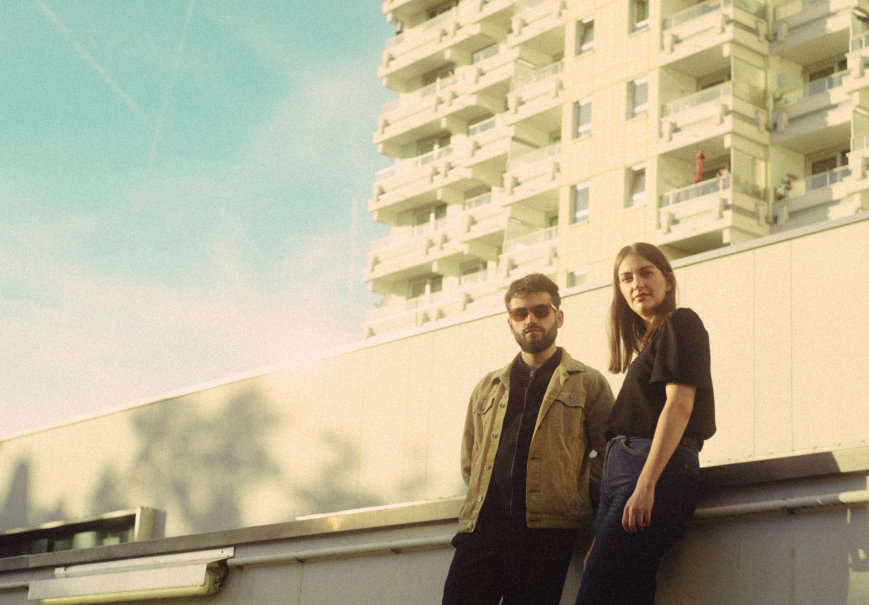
x=582 y=118
x=639 y=14
x=579 y=204
x=433 y=144
x=636 y=187
x=426 y=285
x=584 y=36
x=552 y=220
x=638 y=98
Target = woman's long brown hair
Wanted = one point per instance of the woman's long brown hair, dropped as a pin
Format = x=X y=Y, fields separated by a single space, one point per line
x=627 y=331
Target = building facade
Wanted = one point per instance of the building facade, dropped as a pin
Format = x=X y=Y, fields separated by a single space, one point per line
x=542 y=135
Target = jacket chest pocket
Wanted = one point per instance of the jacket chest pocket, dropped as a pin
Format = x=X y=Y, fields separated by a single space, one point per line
x=567 y=414
x=485 y=406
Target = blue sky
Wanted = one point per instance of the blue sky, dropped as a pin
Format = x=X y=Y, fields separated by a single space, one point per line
x=176 y=194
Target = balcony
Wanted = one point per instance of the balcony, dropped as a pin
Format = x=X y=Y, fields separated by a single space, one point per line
x=806 y=30
x=461 y=31
x=712 y=113
x=709 y=215
x=858 y=60
x=534 y=178
x=466 y=164
x=815 y=199
x=483 y=222
x=813 y=115
x=536 y=251
x=414 y=312
x=693 y=39
x=540 y=24
x=444 y=104
x=537 y=97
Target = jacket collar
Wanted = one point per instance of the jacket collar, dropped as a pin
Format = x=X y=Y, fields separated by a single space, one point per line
x=568 y=365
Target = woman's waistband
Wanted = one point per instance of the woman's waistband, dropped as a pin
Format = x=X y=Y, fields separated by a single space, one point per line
x=688 y=442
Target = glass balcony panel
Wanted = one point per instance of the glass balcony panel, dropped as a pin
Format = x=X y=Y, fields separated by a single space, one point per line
x=486 y=53
x=532 y=239
x=793 y=8
x=534 y=157
x=477 y=278
x=537 y=76
x=481 y=127
x=476 y=202
x=695 y=191
x=695 y=12
x=697 y=99
x=524 y=5
x=860 y=42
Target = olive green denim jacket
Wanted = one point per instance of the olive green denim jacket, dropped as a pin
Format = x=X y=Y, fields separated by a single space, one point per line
x=569 y=426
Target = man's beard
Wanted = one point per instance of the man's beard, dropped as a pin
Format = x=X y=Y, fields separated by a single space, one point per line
x=538 y=345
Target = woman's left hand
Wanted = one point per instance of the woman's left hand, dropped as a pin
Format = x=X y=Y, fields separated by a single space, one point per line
x=638 y=510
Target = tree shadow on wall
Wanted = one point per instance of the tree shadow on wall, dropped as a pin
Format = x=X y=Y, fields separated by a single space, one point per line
x=337 y=486
x=199 y=464
x=17 y=509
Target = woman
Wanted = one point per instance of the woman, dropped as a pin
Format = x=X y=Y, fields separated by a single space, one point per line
x=662 y=415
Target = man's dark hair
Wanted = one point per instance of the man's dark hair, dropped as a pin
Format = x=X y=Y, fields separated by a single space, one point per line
x=535 y=282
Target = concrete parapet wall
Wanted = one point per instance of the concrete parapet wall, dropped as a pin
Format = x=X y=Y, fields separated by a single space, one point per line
x=381 y=424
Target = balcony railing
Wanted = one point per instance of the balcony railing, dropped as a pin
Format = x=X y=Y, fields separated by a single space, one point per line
x=793 y=8
x=695 y=12
x=484 y=54
x=411 y=234
x=818 y=181
x=860 y=42
x=697 y=99
x=411 y=164
x=481 y=127
x=534 y=157
x=409 y=99
x=530 y=240
x=695 y=191
x=859 y=143
x=479 y=277
x=817 y=87
x=539 y=75
x=524 y=5
x=476 y=202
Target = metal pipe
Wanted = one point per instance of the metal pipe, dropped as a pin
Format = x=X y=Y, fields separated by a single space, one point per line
x=342 y=551
x=784 y=505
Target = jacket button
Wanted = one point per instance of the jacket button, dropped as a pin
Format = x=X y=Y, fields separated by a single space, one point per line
x=479 y=498
x=481 y=409
x=494 y=435
x=487 y=467
x=471 y=525
x=502 y=405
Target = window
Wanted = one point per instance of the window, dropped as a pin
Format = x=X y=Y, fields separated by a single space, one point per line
x=552 y=221
x=638 y=98
x=639 y=14
x=426 y=285
x=636 y=187
x=113 y=528
x=584 y=36
x=579 y=203
x=582 y=118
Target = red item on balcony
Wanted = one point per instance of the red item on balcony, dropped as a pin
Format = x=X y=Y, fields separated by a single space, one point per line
x=698 y=169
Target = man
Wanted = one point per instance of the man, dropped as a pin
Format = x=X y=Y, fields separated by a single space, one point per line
x=527 y=458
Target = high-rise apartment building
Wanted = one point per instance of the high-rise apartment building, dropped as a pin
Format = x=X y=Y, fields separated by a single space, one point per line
x=542 y=135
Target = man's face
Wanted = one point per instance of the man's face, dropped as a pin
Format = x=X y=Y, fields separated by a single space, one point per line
x=533 y=334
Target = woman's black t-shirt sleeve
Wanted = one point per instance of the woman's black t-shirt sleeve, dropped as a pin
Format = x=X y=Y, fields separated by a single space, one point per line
x=678 y=353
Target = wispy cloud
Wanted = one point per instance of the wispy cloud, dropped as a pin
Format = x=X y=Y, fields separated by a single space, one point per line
x=93 y=63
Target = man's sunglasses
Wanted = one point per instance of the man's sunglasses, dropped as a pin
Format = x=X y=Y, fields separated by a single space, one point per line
x=539 y=311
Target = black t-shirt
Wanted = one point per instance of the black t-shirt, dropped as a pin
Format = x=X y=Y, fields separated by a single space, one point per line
x=678 y=353
x=505 y=498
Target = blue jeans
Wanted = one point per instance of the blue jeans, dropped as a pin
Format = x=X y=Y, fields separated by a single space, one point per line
x=622 y=568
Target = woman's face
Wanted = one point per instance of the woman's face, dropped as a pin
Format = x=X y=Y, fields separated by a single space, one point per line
x=643 y=285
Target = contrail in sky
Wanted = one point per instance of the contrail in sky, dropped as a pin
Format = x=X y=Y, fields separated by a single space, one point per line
x=87 y=57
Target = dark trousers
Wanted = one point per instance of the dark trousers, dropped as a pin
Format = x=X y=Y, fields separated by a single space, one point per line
x=524 y=566
x=622 y=568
